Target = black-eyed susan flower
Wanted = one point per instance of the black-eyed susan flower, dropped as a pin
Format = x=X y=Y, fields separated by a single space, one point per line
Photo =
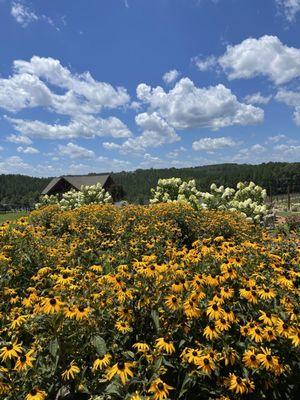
x=191 y=355
x=123 y=326
x=214 y=311
x=266 y=293
x=36 y=394
x=222 y=324
x=19 y=321
x=71 y=371
x=267 y=318
x=24 y=361
x=256 y=334
x=102 y=362
x=51 y=305
x=250 y=359
x=159 y=389
x=267 y=359
x=294 y=336
x=236 y=384
x=164 y=345
x=206 y=364
x=172 y=302
x=211 y=331
x=122 y=369
x=141 y=347
x=81 y=312
x=11 y=350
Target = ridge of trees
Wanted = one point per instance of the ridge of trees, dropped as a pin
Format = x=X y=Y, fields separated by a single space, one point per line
x=20 y=191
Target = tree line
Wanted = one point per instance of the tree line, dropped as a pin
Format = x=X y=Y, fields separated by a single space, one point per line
x=19 y=191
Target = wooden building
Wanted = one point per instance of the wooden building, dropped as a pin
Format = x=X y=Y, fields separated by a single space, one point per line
x=65 y=183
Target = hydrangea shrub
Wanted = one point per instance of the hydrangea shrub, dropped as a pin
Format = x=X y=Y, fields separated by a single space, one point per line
x=73 y=199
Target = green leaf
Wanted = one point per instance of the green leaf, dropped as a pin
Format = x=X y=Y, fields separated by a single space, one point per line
x=186 y=384
x=113 y=388
x=54 y=347
x=99 y=343
x=155 y=319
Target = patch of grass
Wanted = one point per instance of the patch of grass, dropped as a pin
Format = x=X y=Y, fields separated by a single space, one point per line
x=12 y=216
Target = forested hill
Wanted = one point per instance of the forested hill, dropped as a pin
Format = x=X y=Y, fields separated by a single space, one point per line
x=275 y=177
x=20 y=190
x=23 y=191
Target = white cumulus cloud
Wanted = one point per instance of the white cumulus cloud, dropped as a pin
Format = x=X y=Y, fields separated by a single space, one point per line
x=22 y=14
x=27 y=150
x=19 y=139
x=86 y=126
x=72 y=150
x=187 y=106
x=211 y=144
x=266 y=56
x=257 y=98
x=205 y=63
x=290 y=8
x=292 y=99
x=171 y=76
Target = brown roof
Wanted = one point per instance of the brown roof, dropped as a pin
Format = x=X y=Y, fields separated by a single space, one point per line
x=78 y=180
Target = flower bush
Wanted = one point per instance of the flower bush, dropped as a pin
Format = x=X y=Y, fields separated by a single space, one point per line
x=247 y=199
x=72 y=199
x=158 y=302
x=175 y=189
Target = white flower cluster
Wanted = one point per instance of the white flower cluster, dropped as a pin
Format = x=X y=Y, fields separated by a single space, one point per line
x=174 y=189
x=72 y=199
x=247 y=199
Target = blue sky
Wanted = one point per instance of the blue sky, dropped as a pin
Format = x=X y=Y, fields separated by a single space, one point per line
x=110 y=85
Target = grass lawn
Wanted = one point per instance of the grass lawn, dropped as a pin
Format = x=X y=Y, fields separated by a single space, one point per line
x=287 y=213
x=11 y=216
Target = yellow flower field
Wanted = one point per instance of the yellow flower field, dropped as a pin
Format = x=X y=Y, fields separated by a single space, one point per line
x=158 y=302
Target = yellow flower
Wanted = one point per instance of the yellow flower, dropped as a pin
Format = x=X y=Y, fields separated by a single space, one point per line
x=250 y=359
x=81 y=312
x=164 y=345
x=256 y=334
x=101 y=362
x=12 y=350
x=294 y=336
x=206 y=364
x=211 y=331
x=36 y=394
x=71 y=371
x=214 y=311
x=51 y=305
x=123 y=326
x=17 y=322
x=122 y=369
x=266 y=293
x=159 y=389
x=267 y=360
x=172 y=302
x=236 y=384
x=141 y=347
x=24 y=361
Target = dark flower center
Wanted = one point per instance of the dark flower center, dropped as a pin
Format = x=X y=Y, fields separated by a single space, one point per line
x=239 y=380
x=9 y=347
x=33 y=392
x=269 y=358
x=215 y=307
x=81 y=308
x=23 y=358
x=206 y=361
x=160 y=386
x=195 y=353
x=252 y=357
x=52 y=302
x=121 y=365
